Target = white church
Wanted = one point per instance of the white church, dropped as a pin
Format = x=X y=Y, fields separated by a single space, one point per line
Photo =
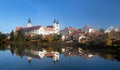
x=38 y=30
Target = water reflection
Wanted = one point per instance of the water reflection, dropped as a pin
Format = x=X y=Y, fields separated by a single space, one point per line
x=71 y=51
x=54 y=52
x=40 y=54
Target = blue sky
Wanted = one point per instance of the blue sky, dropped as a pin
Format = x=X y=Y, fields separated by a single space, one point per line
x=75 y=13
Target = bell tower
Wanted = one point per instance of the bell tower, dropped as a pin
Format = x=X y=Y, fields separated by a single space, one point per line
x=29 y=24
x=56 y=26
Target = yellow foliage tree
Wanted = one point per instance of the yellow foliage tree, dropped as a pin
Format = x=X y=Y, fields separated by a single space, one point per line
x=108 y=41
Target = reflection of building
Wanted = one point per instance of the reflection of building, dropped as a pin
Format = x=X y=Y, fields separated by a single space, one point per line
x=37 y=30
x=56 y=56
x=63 y=49
x=29 y=59
x=70 y=51
x=40 y=54
x=53 y=54
x=66 y=51
x=34 y=54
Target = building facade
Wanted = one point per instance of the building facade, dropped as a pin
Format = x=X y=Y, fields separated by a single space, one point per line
x=88 y=29
x=38 y=30
x=111 y=28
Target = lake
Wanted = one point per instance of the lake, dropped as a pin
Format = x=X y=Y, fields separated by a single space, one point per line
x=57 y=58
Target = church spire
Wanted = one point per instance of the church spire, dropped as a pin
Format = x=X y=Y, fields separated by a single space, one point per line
x=57 y=22
x=54 y=21
x=29 y=21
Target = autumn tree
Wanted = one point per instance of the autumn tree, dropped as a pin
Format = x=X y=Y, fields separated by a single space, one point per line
x=21 y=35
x=108 y=41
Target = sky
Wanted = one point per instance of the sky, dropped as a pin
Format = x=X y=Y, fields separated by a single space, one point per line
x=74 y=13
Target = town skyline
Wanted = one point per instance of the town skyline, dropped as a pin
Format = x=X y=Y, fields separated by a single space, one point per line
x=78 y=13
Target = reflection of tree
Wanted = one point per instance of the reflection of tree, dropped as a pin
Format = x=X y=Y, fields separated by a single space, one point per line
x=29 y=51
x=12 y=49
x=17 y=49
x=53 y=48
x=3 y=47
x=109 y=56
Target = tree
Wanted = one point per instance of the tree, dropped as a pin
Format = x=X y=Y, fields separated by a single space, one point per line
x=108 y=41
x=101 y=30
x=12 y=36
x=56 y=37
x=21 y=35
x=3 y=38
x=49 y=38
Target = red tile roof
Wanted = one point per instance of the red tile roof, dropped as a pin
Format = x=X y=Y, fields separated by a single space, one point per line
x=49 y=54
x=88 y=27
x=32 y=28
x=18 y=28
x=49 y=29
x=32 y=55
x=28 y=28
x=71 y=28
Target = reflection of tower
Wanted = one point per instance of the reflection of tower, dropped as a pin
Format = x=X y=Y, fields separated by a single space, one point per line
x=56 y=56
x=29 y=59
x=29 y=24
x=63 y=49
x=42 y=53
x=56 y=26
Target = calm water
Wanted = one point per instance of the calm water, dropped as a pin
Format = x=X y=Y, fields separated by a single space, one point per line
x=55 y=58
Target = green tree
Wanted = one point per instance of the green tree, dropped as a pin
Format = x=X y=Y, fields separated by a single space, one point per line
x=101 y=30
x=21 y=35
x=3 y=38
x=12 y=36
x=56 y=37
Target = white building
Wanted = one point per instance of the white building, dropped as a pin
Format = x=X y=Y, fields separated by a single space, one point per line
x=29 y=24
x=68 y=31
x=37 y=30
x=88 y=29
x=111 y=29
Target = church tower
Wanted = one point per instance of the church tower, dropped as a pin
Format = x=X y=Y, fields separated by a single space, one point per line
x=29 y=24
x=56 y=26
